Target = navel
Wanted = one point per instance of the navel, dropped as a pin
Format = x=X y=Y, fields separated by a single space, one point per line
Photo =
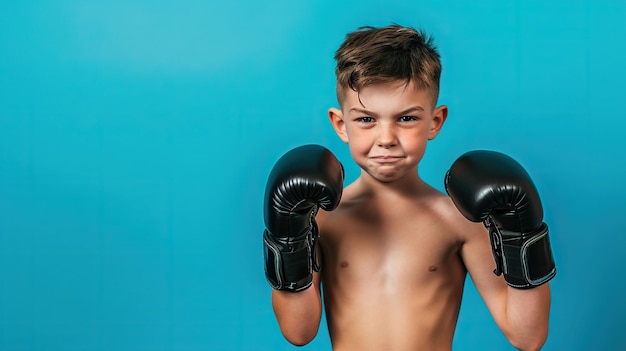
x=432 y=268
x=343 y=264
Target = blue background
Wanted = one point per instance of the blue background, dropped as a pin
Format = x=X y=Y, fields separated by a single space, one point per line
x=136 y=138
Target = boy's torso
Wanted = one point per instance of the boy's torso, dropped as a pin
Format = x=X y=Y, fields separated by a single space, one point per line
x=392 y=275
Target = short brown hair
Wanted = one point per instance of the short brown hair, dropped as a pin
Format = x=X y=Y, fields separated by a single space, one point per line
x=372 y=55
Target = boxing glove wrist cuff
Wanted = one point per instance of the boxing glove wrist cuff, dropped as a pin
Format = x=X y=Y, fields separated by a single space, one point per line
x=525 y=259
x=288 y=264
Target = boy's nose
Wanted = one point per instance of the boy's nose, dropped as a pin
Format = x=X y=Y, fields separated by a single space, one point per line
x=387 y=137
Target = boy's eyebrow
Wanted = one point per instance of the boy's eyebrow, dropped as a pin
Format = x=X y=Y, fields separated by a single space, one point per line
x=370 y=113
x=362 y=111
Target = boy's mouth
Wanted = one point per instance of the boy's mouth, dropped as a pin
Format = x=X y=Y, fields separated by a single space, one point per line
x=386 y=158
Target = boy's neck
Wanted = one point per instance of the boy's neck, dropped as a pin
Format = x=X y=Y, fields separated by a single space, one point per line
x=409 y=185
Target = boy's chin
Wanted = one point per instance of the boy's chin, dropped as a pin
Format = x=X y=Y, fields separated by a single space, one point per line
x=386 y=177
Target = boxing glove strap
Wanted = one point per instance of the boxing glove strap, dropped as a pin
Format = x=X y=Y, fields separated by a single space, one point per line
x=525 y=259
x=288 y=264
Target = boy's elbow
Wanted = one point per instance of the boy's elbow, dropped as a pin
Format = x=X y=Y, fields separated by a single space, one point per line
x=299 y=330
x=530 y=342
x=299 y=338
x=298 y=314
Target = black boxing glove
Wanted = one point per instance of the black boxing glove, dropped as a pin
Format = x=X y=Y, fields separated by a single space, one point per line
x=303 y=180
x=493 y=188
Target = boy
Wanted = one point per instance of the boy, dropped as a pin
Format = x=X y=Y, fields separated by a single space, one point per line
x=396 y=251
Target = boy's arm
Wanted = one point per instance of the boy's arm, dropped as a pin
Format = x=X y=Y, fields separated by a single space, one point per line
x=493 y=188
x=521 y=314
x=303 y=180
x=299 y=314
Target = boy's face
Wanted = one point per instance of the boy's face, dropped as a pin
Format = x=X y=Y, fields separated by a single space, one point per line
x=387 y=126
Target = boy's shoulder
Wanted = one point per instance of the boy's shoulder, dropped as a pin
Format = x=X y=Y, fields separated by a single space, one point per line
x=431 y=214
x=429 y=202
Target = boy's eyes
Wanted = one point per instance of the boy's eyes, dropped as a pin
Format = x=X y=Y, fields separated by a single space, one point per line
x=400 y=119
x=365 y=119
x=407 y=118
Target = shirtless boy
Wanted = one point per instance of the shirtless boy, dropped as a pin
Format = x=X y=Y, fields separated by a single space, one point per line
x=394 y=251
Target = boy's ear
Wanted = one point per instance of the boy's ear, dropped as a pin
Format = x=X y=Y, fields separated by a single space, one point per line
x=336 y=119
x=439 y=117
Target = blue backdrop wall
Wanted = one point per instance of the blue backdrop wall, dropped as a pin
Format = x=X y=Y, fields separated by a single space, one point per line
x=136 y=138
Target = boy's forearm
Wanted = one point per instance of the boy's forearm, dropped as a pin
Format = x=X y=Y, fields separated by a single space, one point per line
x=298 y=314
x=527 y=317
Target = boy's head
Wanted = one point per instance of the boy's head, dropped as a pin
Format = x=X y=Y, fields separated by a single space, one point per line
x=373 y=55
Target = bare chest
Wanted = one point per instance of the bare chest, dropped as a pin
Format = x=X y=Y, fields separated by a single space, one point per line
x=400 y=250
